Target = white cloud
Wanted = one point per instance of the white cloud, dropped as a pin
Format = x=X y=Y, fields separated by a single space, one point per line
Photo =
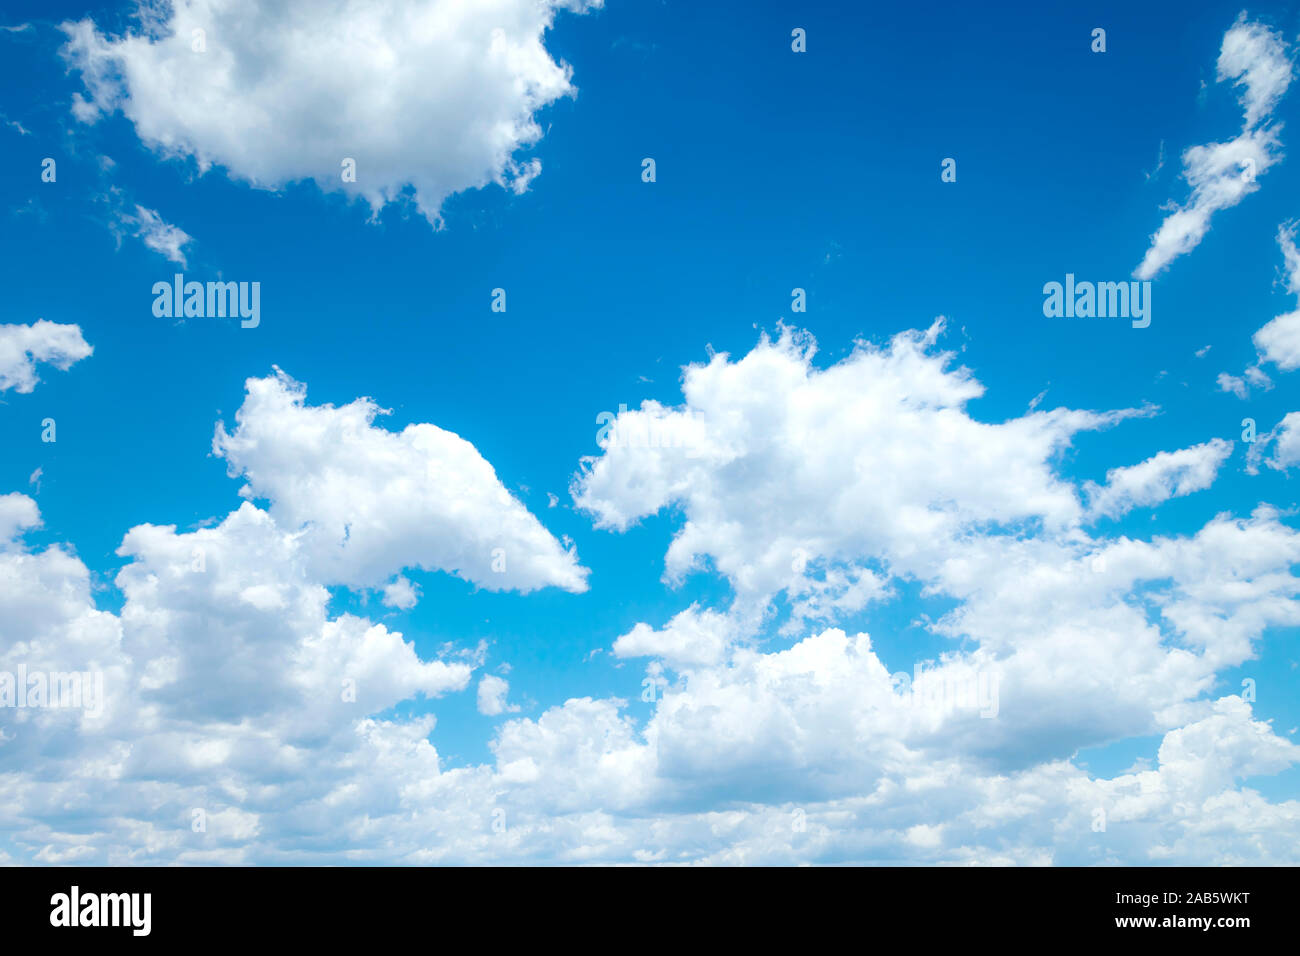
x=401 y=593
x=160 y=236
x=370 y=502
x=1163 y=476
x=17 y=513
x=1286 y=448
x=692 y=638
x=873 y=464
x=147 y=225
x=1290 y=256
x=1254 y=376
x=23 y=346
x=1279 y=341
x=15 y=125
x=435 y=96
x=272 y=651
x=1232 y=384
x=1220 y=175
x=1285 y=442
x=492 y=694
x=227 y=687
x=1255 y=59
x=745 y=459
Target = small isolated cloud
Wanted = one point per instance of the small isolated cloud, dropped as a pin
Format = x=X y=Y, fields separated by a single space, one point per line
x=1160 y=162
x=1220 y=175
x=15 y=125
x=492 y=693
x=1241 y=385
x=160 y=236
x=426 y=97
x=1232 y=384
x=401 y=594
x=128 y=218
x=692 y=638
x=1165 y=475
x=23 y=346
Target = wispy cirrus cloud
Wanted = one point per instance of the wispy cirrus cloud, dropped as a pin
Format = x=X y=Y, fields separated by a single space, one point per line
x=159 y=235
x=126 y=218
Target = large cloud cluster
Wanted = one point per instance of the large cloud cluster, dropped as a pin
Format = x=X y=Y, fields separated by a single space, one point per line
x=770 y=733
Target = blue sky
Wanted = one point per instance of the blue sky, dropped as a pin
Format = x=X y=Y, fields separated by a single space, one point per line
x=775 y=170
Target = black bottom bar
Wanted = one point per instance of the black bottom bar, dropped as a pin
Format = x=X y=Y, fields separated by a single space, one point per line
x=363 y=905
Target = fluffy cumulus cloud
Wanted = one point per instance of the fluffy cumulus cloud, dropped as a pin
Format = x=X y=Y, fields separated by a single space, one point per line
x=912 y=474
x=222 y=671
x=223 y=693
x=766 y=502
x=401 y=593
x=23 y=347
x=368 y=502
x=777 y=731
x=492 y=694
x=692 y=637
x=1254 y=57
x=428 y=98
